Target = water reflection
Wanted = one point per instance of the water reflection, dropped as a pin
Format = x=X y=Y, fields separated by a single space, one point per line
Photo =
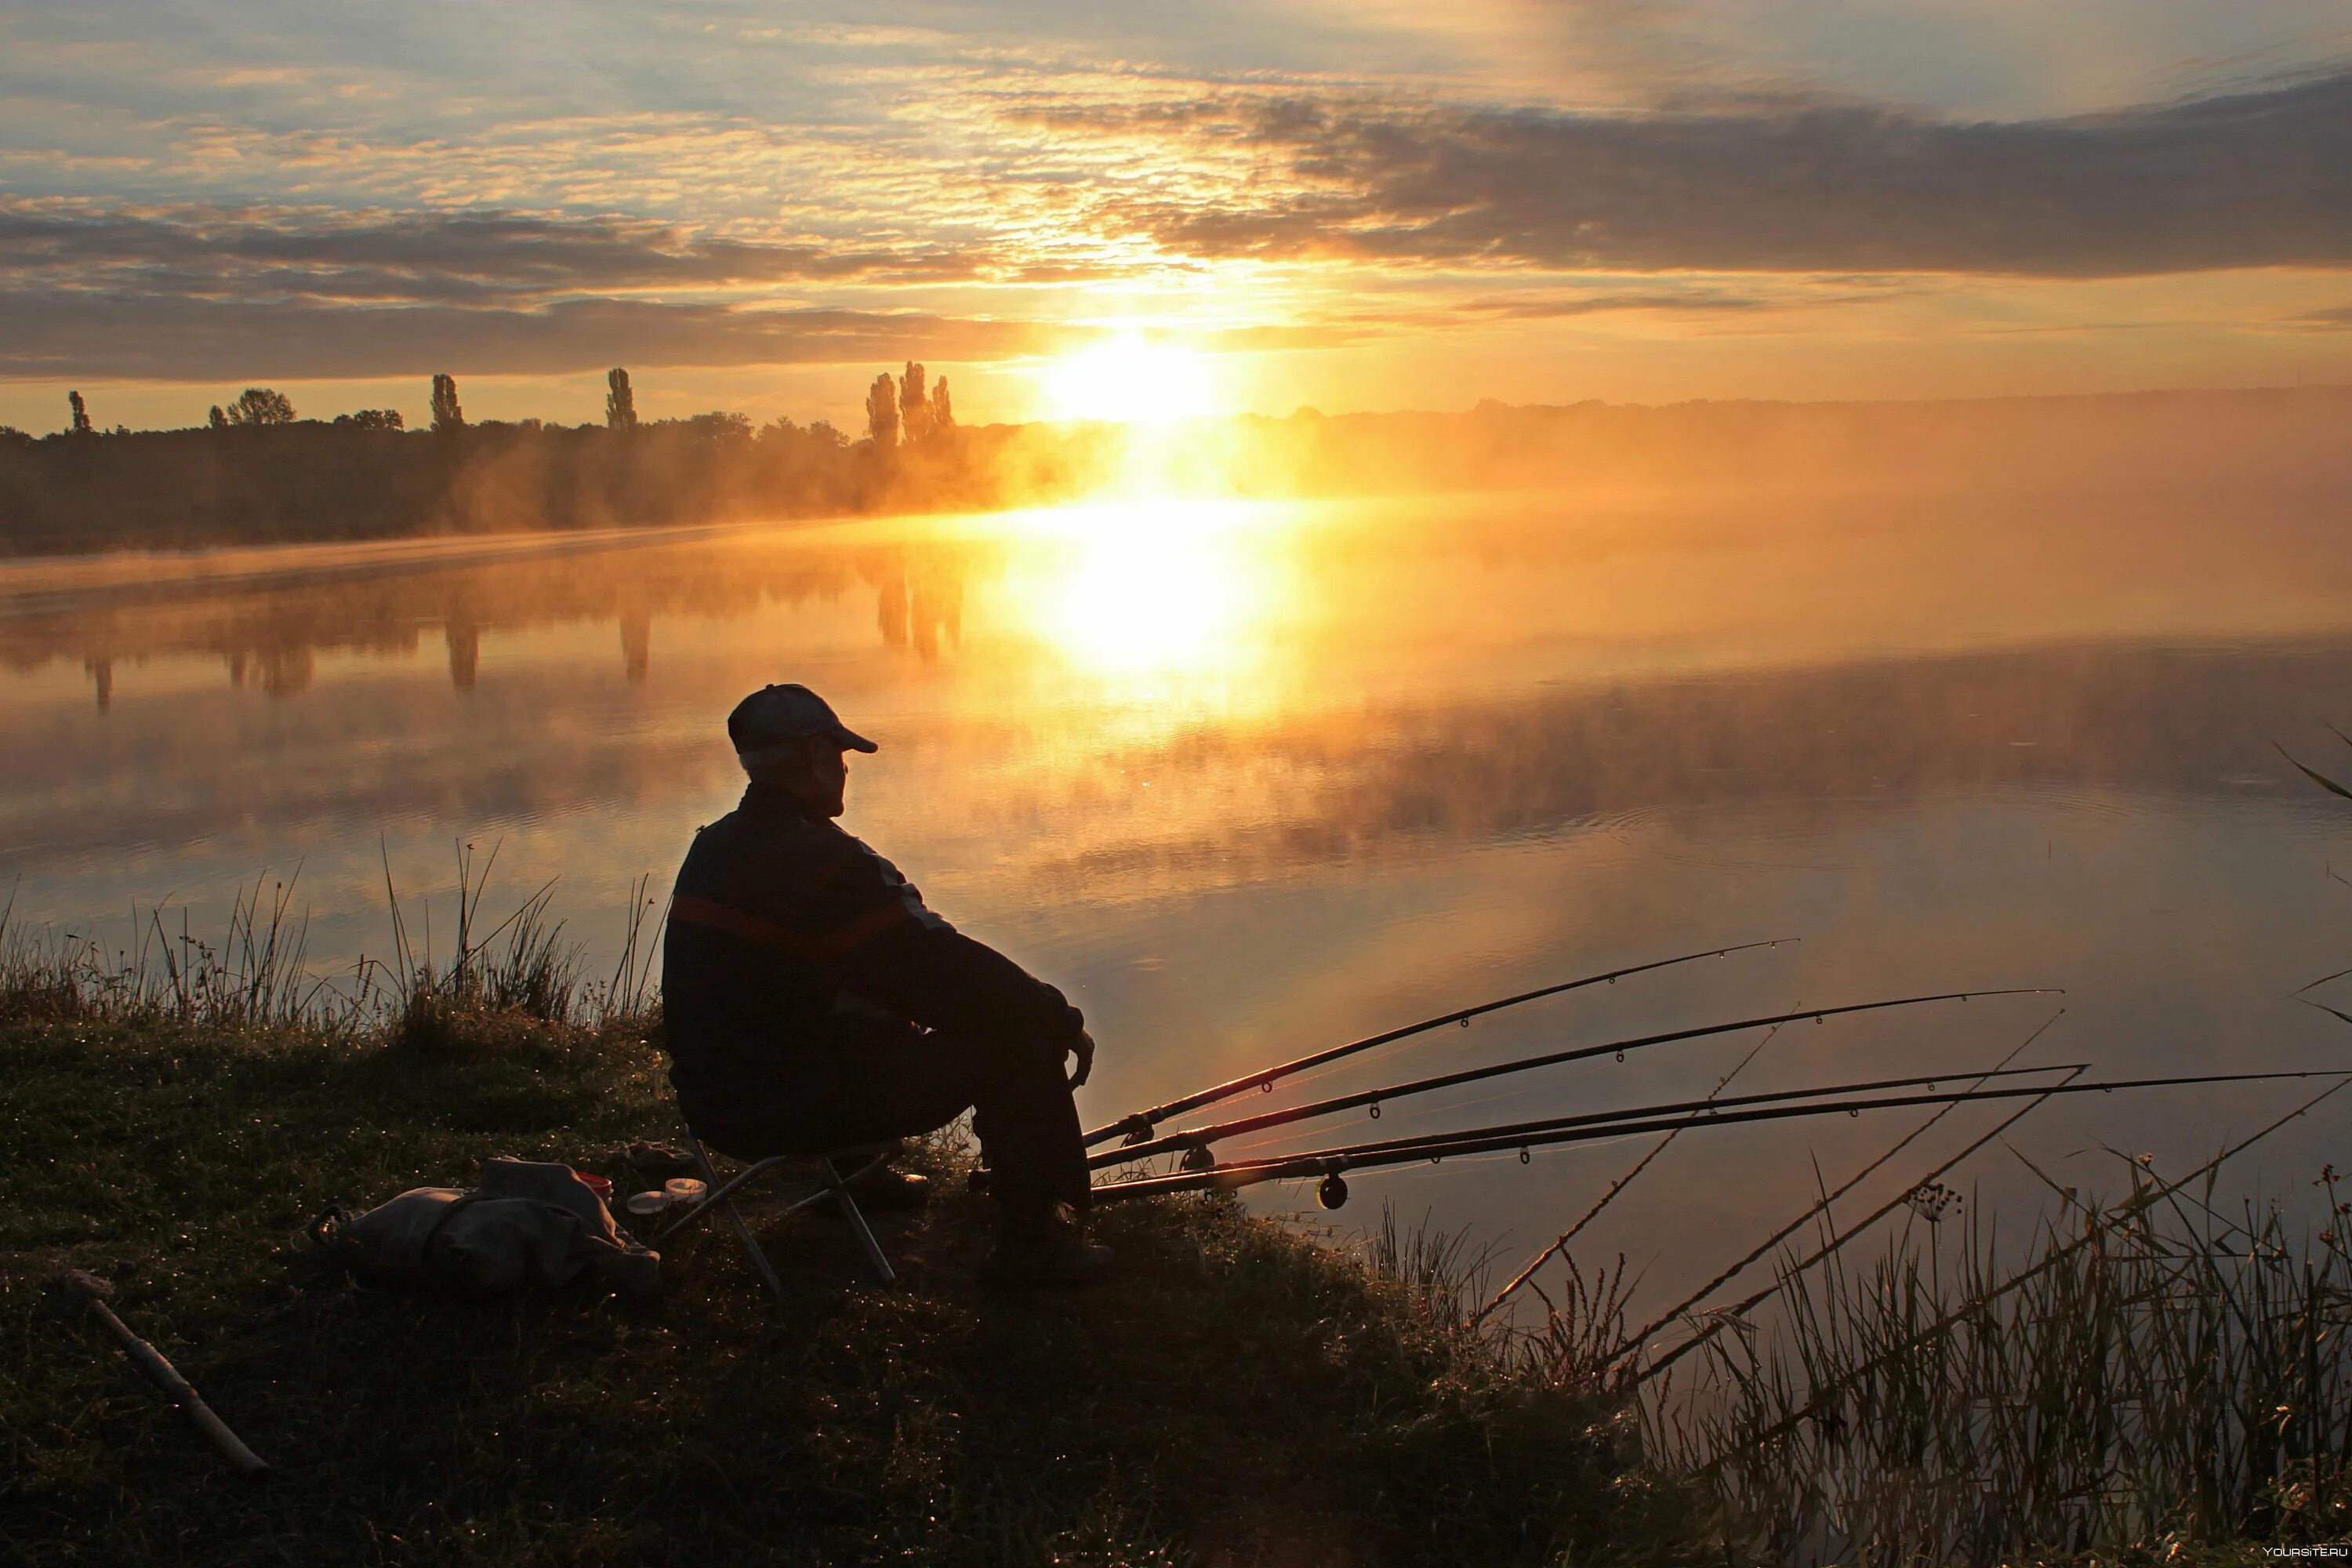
x=1153 y=589
x=1248 y=779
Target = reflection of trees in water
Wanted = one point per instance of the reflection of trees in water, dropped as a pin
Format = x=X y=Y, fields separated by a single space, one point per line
x=2116 y=728
x=464 y=639
x=270 y=638
x=276 y=671
x=916 y=604
x=636 y=645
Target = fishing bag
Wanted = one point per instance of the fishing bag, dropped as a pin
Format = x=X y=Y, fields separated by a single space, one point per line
x=527 y=1223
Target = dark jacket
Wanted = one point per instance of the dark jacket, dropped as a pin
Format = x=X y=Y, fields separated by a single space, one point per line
x=789 y=941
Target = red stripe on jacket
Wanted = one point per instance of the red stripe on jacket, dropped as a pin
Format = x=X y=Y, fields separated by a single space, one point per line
x=737 y=922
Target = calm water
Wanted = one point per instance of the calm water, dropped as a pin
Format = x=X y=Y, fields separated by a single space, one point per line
x=1246 y=780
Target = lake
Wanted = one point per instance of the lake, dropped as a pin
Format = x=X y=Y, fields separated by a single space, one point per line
x=1249 y=778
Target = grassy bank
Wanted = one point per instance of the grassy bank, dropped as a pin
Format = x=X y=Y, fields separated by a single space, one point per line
x=2153 y=1379
x=1241 y=1396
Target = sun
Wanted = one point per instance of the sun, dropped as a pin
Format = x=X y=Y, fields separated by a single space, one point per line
x=1129 y=379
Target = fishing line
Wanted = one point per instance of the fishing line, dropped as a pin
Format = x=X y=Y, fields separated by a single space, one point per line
x=1559 y=1243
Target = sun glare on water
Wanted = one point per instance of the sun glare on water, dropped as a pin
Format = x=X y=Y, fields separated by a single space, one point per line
x=1151 y=589
x=1130 y=380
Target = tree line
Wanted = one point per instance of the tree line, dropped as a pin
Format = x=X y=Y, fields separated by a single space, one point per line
x=260 y=472
x=899 y=408
x=257 y=470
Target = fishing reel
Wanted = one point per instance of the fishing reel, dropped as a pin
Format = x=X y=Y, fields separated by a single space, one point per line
x=1331 y=1192
x=1198 y=1158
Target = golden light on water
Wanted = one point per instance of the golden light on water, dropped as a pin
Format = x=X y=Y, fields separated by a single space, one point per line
x=1130 y=379
x=1155 y=596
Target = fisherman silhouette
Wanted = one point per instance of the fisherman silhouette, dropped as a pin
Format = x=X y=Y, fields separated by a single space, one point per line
x=812 y=1001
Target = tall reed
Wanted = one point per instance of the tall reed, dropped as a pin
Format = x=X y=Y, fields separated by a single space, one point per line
x=254 y=977
x=2152 y=1373
x=502 y=983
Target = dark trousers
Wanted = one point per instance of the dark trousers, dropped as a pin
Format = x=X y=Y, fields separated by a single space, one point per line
x=903 y=1085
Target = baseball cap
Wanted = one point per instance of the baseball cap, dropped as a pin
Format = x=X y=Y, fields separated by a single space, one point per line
x=776 y=716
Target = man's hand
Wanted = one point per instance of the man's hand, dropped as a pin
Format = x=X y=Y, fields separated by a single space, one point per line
x=1083 y=1049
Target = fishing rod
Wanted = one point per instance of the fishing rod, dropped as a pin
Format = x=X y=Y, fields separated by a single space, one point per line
x=1195 y=1140
x=2092 y=1235
x=1738 y=1311
x=1703 y=1109
x=1140 y=1125
x=1329 y=1164
x=1559 y=1248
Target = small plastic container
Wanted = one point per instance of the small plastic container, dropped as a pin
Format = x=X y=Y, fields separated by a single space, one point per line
x=646 y=1205
x=685 y=1190
x=596 y=1184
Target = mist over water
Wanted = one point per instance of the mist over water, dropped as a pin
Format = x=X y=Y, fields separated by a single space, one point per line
x=1246 y=778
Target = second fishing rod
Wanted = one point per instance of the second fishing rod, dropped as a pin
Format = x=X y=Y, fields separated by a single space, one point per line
x=1330 y=1163
x=1697 y=1110
x=1195 y=1142
x=1138 y=1126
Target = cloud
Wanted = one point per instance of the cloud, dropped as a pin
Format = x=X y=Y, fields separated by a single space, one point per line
x=200 y=292
x=2260 y=178
x=1551 y=307
x=531 y=250
x=45 y=335
x=287 y=251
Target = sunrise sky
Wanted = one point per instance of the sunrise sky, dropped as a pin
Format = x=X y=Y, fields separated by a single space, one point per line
x=1374 y=203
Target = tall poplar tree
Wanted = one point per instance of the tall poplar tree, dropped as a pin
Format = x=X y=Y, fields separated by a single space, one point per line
x=882 y=412
x=447 y=418
x=914 y=406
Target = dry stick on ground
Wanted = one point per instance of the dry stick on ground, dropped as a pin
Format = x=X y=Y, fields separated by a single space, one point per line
x=1635 y=1342
x=1738 y=1309
x=1559 y=1243
x=2091 y=1236
x=165 y=1376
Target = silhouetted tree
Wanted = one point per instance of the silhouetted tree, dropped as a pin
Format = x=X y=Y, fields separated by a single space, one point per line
x=620 y=403
x=261 y=406
x=942 y=411
x=882 y=412
x=914 y=406
x=80 y=425
x=373 y=419
x=216 y=419
x=447 y=418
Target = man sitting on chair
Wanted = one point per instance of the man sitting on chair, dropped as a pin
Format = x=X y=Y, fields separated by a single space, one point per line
x=814 y=1002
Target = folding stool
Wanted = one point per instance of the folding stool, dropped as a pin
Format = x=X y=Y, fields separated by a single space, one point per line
x=841 y=1169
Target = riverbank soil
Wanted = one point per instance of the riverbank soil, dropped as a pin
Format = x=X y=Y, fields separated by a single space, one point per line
x=1240 y=1395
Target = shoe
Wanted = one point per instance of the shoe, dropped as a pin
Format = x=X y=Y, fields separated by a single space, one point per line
x=1052 y=1251
x=657 y=1161
x=892 y=1190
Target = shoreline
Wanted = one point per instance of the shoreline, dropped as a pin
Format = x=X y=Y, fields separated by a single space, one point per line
x=1238 y=1394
